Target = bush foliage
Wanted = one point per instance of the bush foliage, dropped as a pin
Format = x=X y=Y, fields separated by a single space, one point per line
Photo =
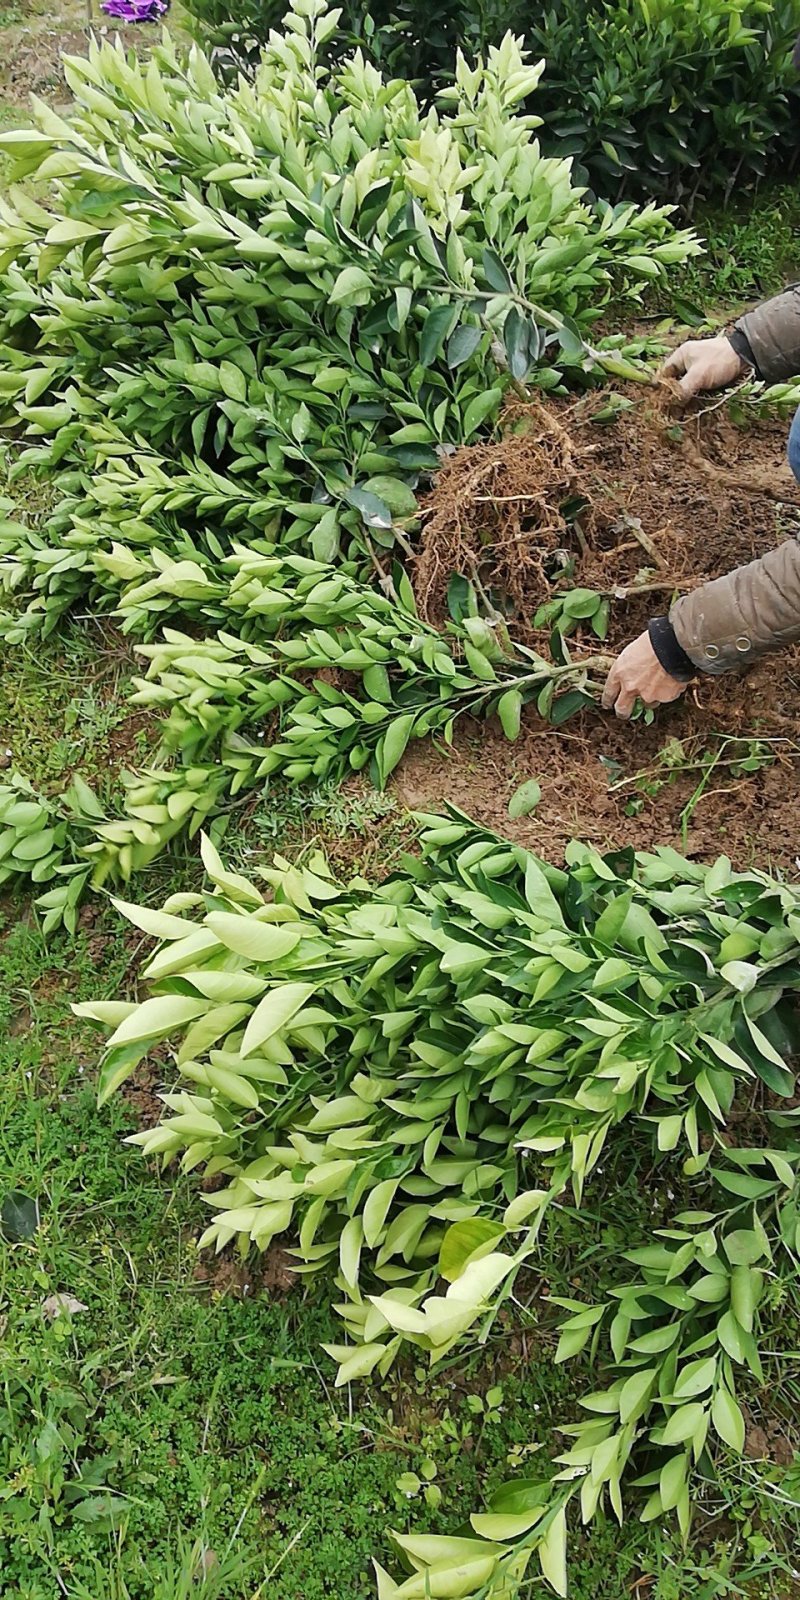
x=659 y=96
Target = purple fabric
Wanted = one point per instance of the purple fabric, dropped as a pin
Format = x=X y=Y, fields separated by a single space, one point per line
x=135 y=10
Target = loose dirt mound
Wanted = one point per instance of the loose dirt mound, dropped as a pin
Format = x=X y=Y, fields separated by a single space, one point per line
x=651 y=502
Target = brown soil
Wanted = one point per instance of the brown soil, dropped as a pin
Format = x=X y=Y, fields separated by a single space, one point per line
x=769 y=1442
x=40 y=32
x=140 y=1093
x=271 y=1274
x=668 y=503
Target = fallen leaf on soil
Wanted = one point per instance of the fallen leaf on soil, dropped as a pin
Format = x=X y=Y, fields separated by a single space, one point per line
x=525 y=799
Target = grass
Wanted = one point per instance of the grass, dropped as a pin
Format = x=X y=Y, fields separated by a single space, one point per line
x=177 y=1438
x=751 y=250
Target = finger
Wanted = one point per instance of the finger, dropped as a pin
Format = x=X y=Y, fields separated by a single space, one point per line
x=625 y=704
x=695 y=381
x=612 y=688
x=676 y=363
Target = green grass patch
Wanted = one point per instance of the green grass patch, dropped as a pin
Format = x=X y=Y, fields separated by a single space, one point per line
x=751 y=249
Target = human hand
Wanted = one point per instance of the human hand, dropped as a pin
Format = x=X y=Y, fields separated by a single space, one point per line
x=637 y=674
x=703 y=364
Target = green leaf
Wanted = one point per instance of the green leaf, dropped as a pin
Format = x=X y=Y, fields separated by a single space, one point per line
x=359 y=1361
x=525 y=799
x=635 y=1394
x=462 y=344
x=612 y=919
x=325 y=537
x=157 y=1019
x=467 y=1241
x=392 y=745
x=19 y=1217
x=509 y=710
x=696 y=1378
x=520 y=338
x=273 y=1013
x=460 y=598
x=581 y=603
x=377 y=684
x=374 y=511
x=523 y=1206
x=394 y=493
x=726 y=1415
x=495 y=273
x=353 y=287
x=84 y=800
x=743 y=1247
x=106 y=1509
x=435 y=329
x=256 y=941
x=552 y=1552
x=409 y=1484
x=731 y=1336
x=683 y=1423
x=745 y=1290
x=350 y=1243
x=479 y=409
x=116 y=1068
x=571 y=340
x=566 y=705
x=672 y=1480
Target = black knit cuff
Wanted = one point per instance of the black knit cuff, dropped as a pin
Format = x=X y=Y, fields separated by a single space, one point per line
x=672 y=656
x=741 y=344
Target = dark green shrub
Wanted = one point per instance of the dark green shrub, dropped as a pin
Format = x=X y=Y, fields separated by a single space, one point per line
x=661 y=96
x=670 y=95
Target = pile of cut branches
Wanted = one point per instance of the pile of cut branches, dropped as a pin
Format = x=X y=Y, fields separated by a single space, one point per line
x=407 y=1079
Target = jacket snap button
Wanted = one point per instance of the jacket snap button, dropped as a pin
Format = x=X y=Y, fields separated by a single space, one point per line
x=712 y=651
x=743 y=644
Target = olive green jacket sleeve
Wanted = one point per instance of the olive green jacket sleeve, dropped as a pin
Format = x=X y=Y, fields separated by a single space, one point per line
x=734 y=620
x=772 y=333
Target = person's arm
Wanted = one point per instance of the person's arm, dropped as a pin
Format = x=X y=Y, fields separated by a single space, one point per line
x=734 y=620
x=768 y=339
x=724 y=624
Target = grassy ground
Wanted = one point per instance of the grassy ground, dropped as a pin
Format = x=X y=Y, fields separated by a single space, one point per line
x=175 y=1435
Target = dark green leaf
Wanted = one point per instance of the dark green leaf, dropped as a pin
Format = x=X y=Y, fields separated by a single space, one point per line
x=435 y=329
x=462 y=345
x=374 y=510
x=495 y=273
x=460 y=598
x=570 y=339
x=19 y=1217
x=566 y=705
x=519 y=335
